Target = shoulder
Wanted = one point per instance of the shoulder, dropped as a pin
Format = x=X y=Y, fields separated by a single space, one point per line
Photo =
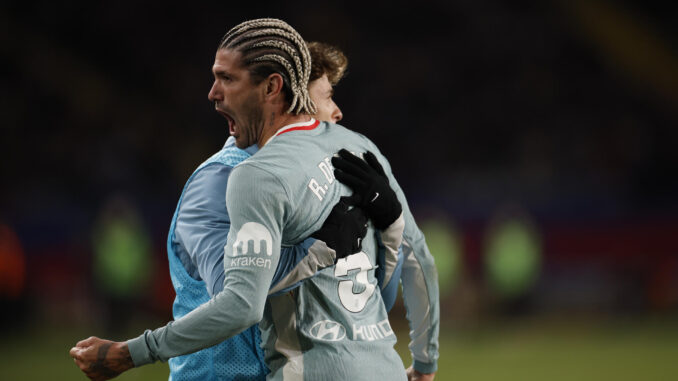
x=217 y=168
x=257 y=180
x=230 y=156
x=360 y=138
x=210 y=176
x=256 y=194
x=205 y=190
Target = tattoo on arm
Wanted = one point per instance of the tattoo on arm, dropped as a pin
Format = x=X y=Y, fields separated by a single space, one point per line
x=101 y=366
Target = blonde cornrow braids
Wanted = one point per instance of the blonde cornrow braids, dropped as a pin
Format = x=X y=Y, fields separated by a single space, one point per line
x=272 y=46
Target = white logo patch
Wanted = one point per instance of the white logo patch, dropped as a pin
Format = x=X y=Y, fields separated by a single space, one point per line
x=327 y=330
x=261 y=239
x=252 y=241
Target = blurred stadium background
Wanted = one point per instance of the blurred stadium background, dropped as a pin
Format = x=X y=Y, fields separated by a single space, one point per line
x=536 y=141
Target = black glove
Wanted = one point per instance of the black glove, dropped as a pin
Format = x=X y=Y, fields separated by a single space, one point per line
x=370 y=187
x=344 y=229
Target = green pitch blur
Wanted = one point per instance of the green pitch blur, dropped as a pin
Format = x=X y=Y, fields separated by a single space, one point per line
x=527 y=349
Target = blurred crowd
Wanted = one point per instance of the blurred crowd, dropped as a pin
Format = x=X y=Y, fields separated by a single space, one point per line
x=536 y=141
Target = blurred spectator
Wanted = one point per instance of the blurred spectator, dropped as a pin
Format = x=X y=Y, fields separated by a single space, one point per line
x=12 y=276
x=512 y=257
x=122 y=265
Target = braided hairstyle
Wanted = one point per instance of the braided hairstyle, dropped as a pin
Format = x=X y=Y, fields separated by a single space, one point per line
x=272 y=46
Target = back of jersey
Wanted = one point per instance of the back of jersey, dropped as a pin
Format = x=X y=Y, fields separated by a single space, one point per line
x=334 y=326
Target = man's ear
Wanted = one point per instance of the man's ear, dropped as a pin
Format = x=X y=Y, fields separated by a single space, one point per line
x=274 y=86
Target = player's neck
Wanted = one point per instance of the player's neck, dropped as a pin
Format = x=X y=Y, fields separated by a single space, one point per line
x=276 y=122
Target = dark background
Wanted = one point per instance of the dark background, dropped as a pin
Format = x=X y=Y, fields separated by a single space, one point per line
x=562 y=112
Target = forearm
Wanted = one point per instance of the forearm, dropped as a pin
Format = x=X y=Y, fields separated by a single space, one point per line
x=420 y=293
x=420 y=289
x=419 y=280
x=391 y=238
x=224 y=316
x=299 y=263
x=250 y=258
x=389 y=290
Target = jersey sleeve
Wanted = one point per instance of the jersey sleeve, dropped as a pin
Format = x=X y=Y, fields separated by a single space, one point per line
x=257 y=202
x=420 y=292
x=419 y=280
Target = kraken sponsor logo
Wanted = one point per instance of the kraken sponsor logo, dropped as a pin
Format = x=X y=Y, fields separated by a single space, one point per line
x=253 y=238
x=252 y=241
x=251 y=262
x=327 y=330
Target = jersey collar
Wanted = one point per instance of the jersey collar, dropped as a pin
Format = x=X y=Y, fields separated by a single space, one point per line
x=311 y=124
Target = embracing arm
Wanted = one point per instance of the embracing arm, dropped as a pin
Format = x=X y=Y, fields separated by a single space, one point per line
x=251 y=253
x=372 y=192
x=374 y=185
x=202 y=227
x=250 y=258
x=420 y=291
x=389 y=288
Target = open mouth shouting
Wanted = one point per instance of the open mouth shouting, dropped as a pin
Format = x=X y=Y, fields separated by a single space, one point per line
x=231 y=122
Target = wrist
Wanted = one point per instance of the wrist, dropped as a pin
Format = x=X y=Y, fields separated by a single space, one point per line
x=425 y=368
x=139 y=351
x=384 y=214
x=121 y=351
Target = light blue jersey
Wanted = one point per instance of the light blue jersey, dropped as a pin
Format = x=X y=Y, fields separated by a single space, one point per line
x=195 y=251
x=198 y=231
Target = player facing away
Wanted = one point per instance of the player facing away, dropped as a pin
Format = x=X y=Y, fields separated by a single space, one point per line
x=333 y=326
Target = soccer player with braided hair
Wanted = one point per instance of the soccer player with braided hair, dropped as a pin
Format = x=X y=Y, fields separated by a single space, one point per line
x=200 y=231
x=334 y=325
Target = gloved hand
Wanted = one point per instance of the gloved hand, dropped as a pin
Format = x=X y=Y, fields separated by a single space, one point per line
x=344 y=229
x=370 y=187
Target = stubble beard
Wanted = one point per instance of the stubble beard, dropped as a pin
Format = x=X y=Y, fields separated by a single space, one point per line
x=254 y=119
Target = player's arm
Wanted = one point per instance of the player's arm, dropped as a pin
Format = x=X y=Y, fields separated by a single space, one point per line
x=256 y=203
x=372 y=192
x=388 y=289
x=203 y=224
x=340 y=236
x=419 y=280
x=419 y=275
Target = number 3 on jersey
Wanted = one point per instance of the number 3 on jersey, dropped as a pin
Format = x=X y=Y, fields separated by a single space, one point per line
x=354 y=302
